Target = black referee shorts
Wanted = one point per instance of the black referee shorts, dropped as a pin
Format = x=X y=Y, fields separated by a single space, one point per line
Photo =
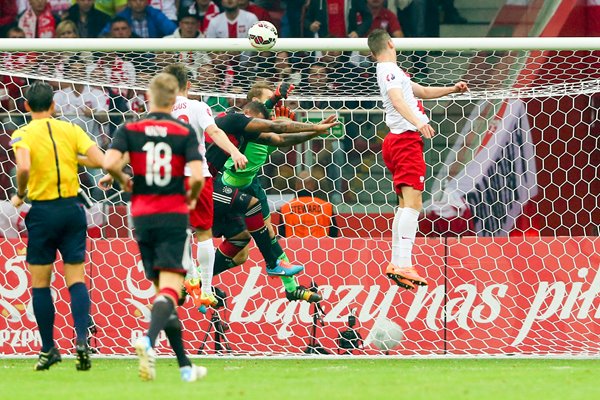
x=56 y=225
x=162 y=239
x=231 y=205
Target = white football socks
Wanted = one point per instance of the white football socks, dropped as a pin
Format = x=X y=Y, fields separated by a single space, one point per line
x=404 y=231
x=206 y=261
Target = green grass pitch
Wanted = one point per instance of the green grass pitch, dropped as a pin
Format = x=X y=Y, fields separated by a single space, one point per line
x=315 y=379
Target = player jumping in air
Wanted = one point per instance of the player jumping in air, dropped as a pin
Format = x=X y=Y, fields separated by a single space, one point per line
x=198 y=114
x=238 y=215
x=246 y=180
x=403 y=151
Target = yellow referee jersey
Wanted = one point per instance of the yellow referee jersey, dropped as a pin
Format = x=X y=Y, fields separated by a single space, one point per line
x=53 y=146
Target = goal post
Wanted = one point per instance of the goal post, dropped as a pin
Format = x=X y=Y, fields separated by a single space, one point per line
x=508 y=236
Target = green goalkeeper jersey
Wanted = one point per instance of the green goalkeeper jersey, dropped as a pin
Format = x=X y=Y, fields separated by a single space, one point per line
x=257 y=155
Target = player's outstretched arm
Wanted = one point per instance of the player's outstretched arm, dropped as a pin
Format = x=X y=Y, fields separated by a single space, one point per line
x=220 y=139
x=285 y=139
x=289 y=126
x=433 y=92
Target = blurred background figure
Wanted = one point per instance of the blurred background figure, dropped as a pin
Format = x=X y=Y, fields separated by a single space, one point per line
x=167 y=7
x=251 y=7
x=338 y=18
x=89 y=20
x=308 y=214
x=145 y=21
x=8 y=16
x=66 y=30
x=204 y=10
x=233 y=22
x=38 y=20
x=384 y=18
x=110 y=7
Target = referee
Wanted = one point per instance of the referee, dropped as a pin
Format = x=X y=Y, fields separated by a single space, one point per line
x=47 y=154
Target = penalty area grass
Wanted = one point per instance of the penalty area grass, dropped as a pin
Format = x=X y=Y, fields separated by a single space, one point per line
x=306 y=378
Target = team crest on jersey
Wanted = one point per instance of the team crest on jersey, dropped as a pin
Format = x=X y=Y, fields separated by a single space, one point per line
x=390 y=77
x=227 y=190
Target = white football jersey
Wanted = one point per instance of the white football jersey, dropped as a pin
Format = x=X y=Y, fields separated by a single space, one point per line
x=199 y=115
x=390 y=76
x=221 y=27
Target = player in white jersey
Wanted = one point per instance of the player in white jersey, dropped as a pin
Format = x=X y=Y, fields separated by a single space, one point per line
x=233 y=22
x=199 y=115
x=403 y=151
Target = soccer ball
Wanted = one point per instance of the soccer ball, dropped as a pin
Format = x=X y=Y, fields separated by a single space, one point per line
x=262 y=35
x=385 y=335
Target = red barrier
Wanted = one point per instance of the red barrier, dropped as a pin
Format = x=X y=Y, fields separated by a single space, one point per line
x=509 y=295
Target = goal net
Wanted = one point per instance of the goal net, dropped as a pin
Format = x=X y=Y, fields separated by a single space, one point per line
x=507 y=239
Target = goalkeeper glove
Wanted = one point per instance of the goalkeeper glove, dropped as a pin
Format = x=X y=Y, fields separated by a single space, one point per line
x=282 y=91
x=284 y=112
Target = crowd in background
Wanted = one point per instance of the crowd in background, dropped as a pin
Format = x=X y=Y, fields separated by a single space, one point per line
x=100 y=109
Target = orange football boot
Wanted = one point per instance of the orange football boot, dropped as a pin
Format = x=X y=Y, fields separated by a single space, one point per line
x=406 y=277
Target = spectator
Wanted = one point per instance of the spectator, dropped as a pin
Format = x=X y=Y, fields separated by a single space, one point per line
x=341 y=73
x=261 y=13
x=121 y=29
x=82 y=104
x=211 y=78
x=317 y=85
x=145 y=21
x=167 y=7
x=88 y=19
x=384 y=19
x=118 y=74
x=54 y=64
x=110 y=7
x=205 y=10
x=231 y=23
x=291 y=26
x=66 y=30
x=337 y=19
x=188 y=28
x=38 y=21
x=8 y=15
x=284 y=72
x=308 y=215
x=12 y=102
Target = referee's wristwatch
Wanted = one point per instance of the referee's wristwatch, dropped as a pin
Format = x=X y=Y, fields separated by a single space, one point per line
x=22 y=196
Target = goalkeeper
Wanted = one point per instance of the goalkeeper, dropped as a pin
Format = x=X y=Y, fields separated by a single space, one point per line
x=239 y=215
x=246 y=180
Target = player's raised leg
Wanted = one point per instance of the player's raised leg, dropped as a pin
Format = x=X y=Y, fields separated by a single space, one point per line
x=404 y=231
x=402 y=150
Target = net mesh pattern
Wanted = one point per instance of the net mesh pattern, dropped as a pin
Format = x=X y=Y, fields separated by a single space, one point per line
x=507 y=239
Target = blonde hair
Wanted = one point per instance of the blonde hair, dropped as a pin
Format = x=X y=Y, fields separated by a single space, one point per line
x=163 y=90
x=64 y=26
x=257 y=89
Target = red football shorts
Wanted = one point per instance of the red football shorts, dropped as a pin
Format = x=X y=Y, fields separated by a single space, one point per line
x=201 y=217
x=403 y=156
